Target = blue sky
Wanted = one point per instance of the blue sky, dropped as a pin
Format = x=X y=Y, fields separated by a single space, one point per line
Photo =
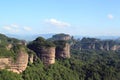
x=75 y=17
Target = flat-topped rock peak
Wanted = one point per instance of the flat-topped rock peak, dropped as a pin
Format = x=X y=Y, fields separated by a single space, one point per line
x=48 y=51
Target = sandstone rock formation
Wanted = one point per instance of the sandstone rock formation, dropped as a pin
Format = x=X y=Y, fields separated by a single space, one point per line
x=96 y=44
x=22 y=61
x=9 y=46
x=5 y=63
x=61 y=37
x=31 y=58
x=64 y=52
x=44 y=49
x=47 y=55
x=13 y=54
x=17 y=66
x=115 y=47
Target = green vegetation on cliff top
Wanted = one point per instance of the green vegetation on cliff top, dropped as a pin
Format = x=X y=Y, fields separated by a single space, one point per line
x=10 y=47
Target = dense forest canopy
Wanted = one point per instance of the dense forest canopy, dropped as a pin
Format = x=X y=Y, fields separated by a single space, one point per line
x=85 y=65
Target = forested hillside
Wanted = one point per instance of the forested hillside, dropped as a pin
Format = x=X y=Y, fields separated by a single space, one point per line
x=8 y=46
x=84 y=64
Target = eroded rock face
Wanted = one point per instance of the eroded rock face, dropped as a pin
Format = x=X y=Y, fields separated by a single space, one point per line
x=18 y=66
x=22 y=61
x=31 y=58
x=107 y=45
x=5 y=62
x=9 y=46
x=47 y=55
x=115 y=47
x=64 y=52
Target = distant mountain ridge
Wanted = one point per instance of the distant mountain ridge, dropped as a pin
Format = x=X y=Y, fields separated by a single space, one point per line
x=29 y=37
x=46 y=36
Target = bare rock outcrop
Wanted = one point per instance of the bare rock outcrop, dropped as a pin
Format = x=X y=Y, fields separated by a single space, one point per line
x=5 y=63
x=115 y=47
x=96 y=44
x=47 y=55
x=64 y=52
x=9 y=46
x=17 y=66
x=31 y=58
x=44 y=49
x=22 y=61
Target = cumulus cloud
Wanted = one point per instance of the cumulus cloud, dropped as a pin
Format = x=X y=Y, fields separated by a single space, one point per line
x=14 y=25
x=11 y=28
x=110 y=16
x=26 y=28
x=57 y=23
x=14 y=28
x=7 y=27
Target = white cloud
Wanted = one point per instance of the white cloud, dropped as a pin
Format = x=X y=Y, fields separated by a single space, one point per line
x=27 y=28
x=110 y=16
x=11 y=29
x=57 y=23
x=14 y=28
x=14 y=25
x=7 y=27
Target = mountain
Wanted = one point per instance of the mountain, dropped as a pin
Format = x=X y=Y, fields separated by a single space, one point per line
x=14 y=54
x=99 y=37
x=29 y=37
x=83 y=61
